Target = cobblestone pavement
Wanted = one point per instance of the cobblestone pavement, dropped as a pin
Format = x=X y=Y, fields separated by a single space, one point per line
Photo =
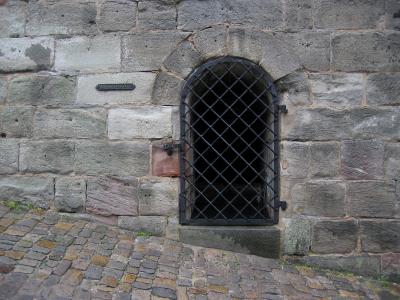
x=45 y=255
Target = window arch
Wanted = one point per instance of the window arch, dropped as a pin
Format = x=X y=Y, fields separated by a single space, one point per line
x=229 y=154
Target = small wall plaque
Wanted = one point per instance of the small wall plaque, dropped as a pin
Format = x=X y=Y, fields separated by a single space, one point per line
x=104 y=87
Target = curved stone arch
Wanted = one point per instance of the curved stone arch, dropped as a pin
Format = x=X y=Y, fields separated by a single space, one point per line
x=277 y=57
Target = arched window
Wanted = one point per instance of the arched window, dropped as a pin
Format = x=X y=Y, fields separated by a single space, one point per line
x=229 y=152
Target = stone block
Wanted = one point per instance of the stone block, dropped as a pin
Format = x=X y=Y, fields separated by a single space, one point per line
x=16 y=121
x=367 y=51
x=392 y=14
x=313 y=49
x=46 y=90
x=198 y=14
x=297 y=236
x=372 y=199
x=361 y=264
x=158 y=197
x=295 y=159
x=88 y=54
x=383 y=89
x=294 y=90
x=155 y=225
x=8 y=156
x=70 y=194
x=362 y=159
x=157 y=15
x=298 y=14
x=162 y=163
x=324 y=159
x=145 y=51
x=183 y=60
x=319 y=198
x=334 y=236
x=322 y=123
x=3 y=89
x=12 y=19
x=210 y=42
x=65 y=17
x=361 y=14
x=113 y=158
x=26 y=54
x=70 y=123
x=337 y=89
x=258 y=240
x=117 y=15
x=139 y=122
x=167 y=89
x=392 y=161
x=391 y=266
x=176 y=125
x=194 y=14
x=380 y=235
x=88 y=95
x=108 y=196
x=35 y=190
x=46 y=156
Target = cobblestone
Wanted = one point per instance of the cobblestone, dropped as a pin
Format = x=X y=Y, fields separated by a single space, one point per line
x=149 y=268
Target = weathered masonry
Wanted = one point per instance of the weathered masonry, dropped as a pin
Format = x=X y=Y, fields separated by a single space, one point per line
x=210 y=82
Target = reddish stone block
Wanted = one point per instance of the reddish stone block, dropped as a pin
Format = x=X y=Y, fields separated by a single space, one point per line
x=163 y=164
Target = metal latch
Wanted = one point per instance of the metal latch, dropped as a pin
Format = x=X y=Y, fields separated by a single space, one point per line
x=283 y=205
x=283 y=109
x=169 y=148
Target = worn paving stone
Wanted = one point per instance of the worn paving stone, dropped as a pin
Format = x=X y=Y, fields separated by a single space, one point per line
x=157 y=268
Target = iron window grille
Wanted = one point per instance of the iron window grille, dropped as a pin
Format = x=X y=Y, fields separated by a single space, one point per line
x=229 y=148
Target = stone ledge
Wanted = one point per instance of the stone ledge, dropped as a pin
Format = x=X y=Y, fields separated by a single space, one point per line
x=259 y=240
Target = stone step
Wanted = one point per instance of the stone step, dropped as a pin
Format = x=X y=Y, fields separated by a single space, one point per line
x=263 y=241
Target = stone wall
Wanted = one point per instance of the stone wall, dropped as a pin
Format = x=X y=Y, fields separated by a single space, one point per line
x=67 y=146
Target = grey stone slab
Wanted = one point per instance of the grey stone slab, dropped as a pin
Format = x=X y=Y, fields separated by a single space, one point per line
x=3 y=89
x=392 y=161
x=324 y=159
x=194 y=14
x=163 y=292
x=145 y=51
x=368 y=51
x=94 y=272
x=383 y=89
x=372 y=199
x=151 y=224
x=157 y=15
x=183 y=60
x=319 y=198
x=88 y=95
x=70 y=123
x=88 y=54
x=392 y=8
x=117 y=15
x=70 y=194
x=113 y=158
x=334 y=236
x=106 y=196
x=261 y=240
x=16 y=121
x=337 y=90
x=61 y=17
x=8 y=156
x=139 y=122
x=211 y=41
x=362 y=159
x=47 y=90
x=47 y=156
x=26 y=54
x=362 y=264
x=362 y=14
x=294 y=90
x=167 y=89
x=295 y=159
x=380 y=235
x=13 y=19
x=36 y=190
x=158 y=197
x=297 y=239
x=176 y=130
x=298 y=14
